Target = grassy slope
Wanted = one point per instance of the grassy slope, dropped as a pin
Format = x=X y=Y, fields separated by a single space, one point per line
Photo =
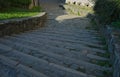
x=18 y=13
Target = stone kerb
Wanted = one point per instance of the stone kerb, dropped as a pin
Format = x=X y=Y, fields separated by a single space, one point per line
x=14 y=26
x=81 y=2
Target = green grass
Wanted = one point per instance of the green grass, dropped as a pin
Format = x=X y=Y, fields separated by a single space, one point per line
x=19 y=13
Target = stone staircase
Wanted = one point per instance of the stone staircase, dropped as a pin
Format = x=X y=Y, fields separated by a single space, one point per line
x=64 y=48
x=47 y=53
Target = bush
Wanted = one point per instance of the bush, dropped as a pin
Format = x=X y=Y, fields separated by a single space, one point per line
x=4 y=4
x=14 y=3
x=20 y=3
x=107 y=11
x=116 y=24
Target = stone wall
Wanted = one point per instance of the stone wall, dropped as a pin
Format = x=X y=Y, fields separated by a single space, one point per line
x=111 y=35
x=114 y=49
x=88 y=3
x=14 y=26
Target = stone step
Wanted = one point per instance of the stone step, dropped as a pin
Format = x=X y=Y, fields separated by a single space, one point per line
x=59 y=40
x=61 y=51
x=63 y=43
x=65 y=61
x=67 y=29
x=67 y=33
x=81 y=37
x=21 y=70
x=6 y=71
x=4 y=49
x=79 y=40
x=43 y=66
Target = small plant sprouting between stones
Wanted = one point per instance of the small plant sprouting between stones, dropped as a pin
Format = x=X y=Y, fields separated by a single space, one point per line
x=93 y=25
x=106 y=55
x=14 y=12
x=107 y=73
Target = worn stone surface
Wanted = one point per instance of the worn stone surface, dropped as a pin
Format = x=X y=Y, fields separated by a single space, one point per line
x=6 y=71
x=62 y=48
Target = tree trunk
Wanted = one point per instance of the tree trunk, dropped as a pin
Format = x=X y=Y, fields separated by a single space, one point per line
x=34 y=3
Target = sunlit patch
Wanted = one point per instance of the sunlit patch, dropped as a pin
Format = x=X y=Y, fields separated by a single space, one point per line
x=62 y=18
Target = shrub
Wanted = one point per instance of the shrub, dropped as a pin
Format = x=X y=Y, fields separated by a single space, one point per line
x=107 y=11
x=4 y=4
x=116 y=24
x=14 y=3
x=20 y=3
